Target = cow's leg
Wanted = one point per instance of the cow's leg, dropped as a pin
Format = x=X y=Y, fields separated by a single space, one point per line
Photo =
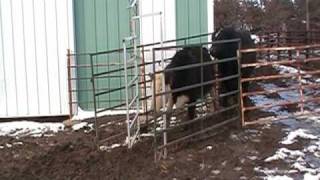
x=214 y=105
x=158 y=89
x=191 y=116
x=170 y=103
x=181 y=101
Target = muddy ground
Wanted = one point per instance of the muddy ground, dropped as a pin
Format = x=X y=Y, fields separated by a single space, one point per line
x=232 y=154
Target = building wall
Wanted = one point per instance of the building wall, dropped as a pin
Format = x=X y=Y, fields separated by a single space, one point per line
x=34 y=37
x=102 y=24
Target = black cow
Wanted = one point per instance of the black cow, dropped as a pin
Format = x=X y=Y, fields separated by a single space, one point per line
x=175 y=79
x=228 y=50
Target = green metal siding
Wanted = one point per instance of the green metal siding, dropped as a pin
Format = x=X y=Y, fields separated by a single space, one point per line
x=191 y=19
x=100 y=25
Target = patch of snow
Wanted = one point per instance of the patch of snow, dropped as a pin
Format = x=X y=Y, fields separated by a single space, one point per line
x=286 y=69
x=9 y=145
x=309 y=176
x=224 y=163
x=78 y=126
x=284 y=153
x=108 y=148
x=147 y=134
x=302 y=133
x=209 y=147
x=274 y=173
x=278 y=178
x=89 y=130
x=82 y=114
x=17 y=143
x=242 y=160
x=215 y=172
x=301 y=166
x=260 y=100
x=252 y=158
x=234 y=137
x=312 y=149
x=28 y=128
x=237 y=168
x=255 y=38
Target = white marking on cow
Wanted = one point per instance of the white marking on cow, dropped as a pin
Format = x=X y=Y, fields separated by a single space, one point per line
x=181 y=101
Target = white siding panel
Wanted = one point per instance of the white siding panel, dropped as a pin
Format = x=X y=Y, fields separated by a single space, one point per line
x=9 y=58
x=150 y=26
x=210 y=17
x=31 y=63
x=3 y=92
x=34 y=38
x=21 y=74
x=42 y=56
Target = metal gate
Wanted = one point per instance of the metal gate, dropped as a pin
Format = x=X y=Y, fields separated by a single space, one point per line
x=129 y=71
x=208 y=118
x=287 y=86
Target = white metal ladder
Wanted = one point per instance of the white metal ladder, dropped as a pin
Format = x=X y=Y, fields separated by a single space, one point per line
x=129 y=62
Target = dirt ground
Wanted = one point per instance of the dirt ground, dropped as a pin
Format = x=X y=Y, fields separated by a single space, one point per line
x=72 y=155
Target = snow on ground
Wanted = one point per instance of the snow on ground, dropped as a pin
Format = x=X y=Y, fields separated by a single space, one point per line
x=82 y=114
x=109 y=148
x=28 y=128
x=37 y=129
x=302 y=133
x=305 y=159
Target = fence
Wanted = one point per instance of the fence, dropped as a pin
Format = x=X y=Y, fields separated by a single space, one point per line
x=107 y=70
x=109 y=73
x=291 y=73
x=287 y=38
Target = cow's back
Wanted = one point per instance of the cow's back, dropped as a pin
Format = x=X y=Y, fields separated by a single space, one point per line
x=190 y=76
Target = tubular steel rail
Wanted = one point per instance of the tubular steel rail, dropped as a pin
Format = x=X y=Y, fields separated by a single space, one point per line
x=299 y=59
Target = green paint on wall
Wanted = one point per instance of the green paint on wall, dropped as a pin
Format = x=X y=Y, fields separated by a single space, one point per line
x=191 y=19
x=100 y=25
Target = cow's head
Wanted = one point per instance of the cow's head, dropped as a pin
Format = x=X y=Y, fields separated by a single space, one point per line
x=224 y=50
x=215 y=37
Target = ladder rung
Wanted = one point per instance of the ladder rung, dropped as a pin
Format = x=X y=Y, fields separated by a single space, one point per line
x=146 y=15
x=133 y=120
x=129 y=38
x=133 y=59
x=133 y=80
x=132 y=101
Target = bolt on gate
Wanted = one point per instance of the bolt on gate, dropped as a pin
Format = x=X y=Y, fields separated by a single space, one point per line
x=289 y=72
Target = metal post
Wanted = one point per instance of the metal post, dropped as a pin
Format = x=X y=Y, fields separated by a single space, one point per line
x=126 y=88
x=307 y=16
x=94 y=101
x=165 y=152
x=201 y=77
x=69 y=83
x=300 y=82
x=240 y=97
x=154 y=104
x=144 y=90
